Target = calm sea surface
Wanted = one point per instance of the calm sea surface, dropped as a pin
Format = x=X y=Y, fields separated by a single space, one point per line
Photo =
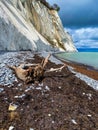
x=88 y=56
x=87 y=49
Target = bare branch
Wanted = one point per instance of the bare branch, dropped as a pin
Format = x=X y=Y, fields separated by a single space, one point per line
x=46 y=61
x=56 y=69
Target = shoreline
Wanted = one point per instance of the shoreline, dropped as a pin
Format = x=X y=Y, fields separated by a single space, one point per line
x=83 y=72
x=81 y=68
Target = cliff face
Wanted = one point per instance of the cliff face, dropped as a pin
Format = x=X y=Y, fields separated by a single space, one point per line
x=31 y=25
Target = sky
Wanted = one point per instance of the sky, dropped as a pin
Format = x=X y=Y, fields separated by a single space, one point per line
x=80 y=19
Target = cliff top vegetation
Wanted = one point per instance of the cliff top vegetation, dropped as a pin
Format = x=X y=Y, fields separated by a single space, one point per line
x=51 y=7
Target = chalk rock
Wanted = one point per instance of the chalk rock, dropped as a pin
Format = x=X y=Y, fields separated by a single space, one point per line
x=32 y=25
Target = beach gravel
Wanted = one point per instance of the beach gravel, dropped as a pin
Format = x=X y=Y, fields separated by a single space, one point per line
x=62 y=101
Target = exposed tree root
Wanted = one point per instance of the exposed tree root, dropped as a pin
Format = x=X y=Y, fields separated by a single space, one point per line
x=33 y=72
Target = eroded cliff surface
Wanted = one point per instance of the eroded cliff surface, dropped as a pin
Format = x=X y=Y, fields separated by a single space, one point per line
x=32 y=25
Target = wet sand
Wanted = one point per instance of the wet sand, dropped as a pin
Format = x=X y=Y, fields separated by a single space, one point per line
x=83 y=69
x=87 y=70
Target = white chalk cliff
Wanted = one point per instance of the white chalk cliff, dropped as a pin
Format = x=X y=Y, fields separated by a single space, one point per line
x=32 y=25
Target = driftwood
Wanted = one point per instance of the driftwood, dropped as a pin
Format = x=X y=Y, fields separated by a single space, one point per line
x=56 y=69
x=33 y=72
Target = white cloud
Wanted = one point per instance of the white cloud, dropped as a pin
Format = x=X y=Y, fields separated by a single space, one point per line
x=85 y=37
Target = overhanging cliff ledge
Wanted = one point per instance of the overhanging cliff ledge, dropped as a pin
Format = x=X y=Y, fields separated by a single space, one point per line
x=32 y=25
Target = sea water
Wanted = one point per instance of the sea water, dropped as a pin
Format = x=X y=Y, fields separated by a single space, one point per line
x=87 y=49
x=86 y=57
